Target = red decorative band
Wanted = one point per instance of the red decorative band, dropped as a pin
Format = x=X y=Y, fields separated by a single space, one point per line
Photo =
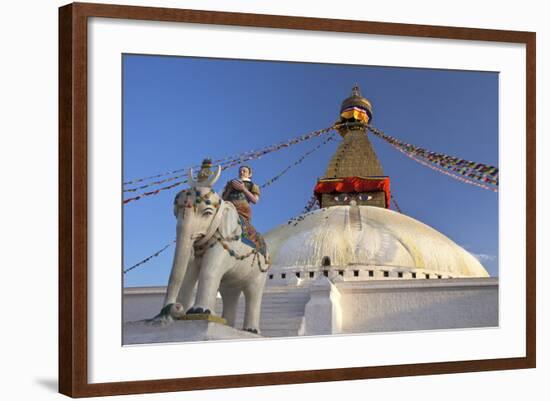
x=354 y=185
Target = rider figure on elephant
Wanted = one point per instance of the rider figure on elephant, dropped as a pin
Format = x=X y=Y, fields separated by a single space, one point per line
x=242 y=192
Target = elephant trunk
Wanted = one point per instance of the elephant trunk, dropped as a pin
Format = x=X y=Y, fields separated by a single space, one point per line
x=182 y=256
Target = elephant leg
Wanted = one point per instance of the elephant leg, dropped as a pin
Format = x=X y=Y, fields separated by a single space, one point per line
x=185 y=296
x=253 y=303
x=230 y=299
x=212 y=269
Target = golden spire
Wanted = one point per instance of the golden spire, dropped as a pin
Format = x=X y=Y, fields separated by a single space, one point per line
x=355 y=156
x=354 y=174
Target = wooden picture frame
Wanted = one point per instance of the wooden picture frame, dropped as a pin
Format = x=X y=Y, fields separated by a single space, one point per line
x=73 y=199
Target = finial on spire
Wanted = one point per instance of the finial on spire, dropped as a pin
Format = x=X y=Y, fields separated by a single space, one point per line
x=356 y=111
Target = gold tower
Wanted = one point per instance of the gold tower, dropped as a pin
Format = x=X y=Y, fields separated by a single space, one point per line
x=354 y=175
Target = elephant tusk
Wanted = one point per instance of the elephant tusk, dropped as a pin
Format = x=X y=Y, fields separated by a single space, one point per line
x=216 y=177
x=190 y=179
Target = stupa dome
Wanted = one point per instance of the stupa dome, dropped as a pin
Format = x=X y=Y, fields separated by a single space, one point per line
x=373 y=237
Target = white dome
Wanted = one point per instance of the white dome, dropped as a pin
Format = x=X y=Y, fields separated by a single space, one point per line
x=368 y=236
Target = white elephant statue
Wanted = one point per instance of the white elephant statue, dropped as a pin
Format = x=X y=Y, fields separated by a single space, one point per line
x=210 y=255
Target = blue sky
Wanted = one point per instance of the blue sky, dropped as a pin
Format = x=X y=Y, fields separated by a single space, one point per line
x=178 y=110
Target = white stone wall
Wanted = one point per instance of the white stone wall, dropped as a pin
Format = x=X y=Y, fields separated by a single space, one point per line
x=142 y=303
x=340 y=305
x=418 y=305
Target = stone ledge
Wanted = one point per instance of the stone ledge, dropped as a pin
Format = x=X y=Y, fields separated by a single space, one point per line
x=204 y=316
x=395 y=284
x=140 y=332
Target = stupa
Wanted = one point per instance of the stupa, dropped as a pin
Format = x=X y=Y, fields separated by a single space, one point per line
x=356 y=266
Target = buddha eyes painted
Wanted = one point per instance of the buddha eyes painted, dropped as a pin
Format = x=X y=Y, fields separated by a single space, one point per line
x=342 y=198
x=346 y=198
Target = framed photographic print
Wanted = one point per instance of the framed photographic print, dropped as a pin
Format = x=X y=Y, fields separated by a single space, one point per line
x=239 y=189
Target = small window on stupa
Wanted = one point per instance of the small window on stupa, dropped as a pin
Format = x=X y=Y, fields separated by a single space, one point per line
x=386 y=274
x=400 y=274
x=271 y=276
x=341 y=272
x=371 y=273
x=356 y=273
x=298 y=274
x=325 y=261
x=283 y=275
x=325 y=272
x=311 y=274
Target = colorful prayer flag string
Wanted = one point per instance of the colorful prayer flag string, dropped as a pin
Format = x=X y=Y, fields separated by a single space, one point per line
x=242 y=156
x=156 y=183
x=264 y=185
x=308 y=207
x=312 y=204
x=238 y=160
x=474 y=171
x=456 y=177
x=147 y=259
x=300 y=160
x=395 y=204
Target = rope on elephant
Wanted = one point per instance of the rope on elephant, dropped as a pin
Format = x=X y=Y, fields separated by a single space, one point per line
x=469 y=171
x=253 y=252
x=147 y=259
x=243 y=156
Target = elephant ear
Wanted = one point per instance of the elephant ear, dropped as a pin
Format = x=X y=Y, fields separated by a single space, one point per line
x=229 y=225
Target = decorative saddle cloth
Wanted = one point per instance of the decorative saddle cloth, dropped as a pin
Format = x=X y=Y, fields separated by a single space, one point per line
x=251 y=237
